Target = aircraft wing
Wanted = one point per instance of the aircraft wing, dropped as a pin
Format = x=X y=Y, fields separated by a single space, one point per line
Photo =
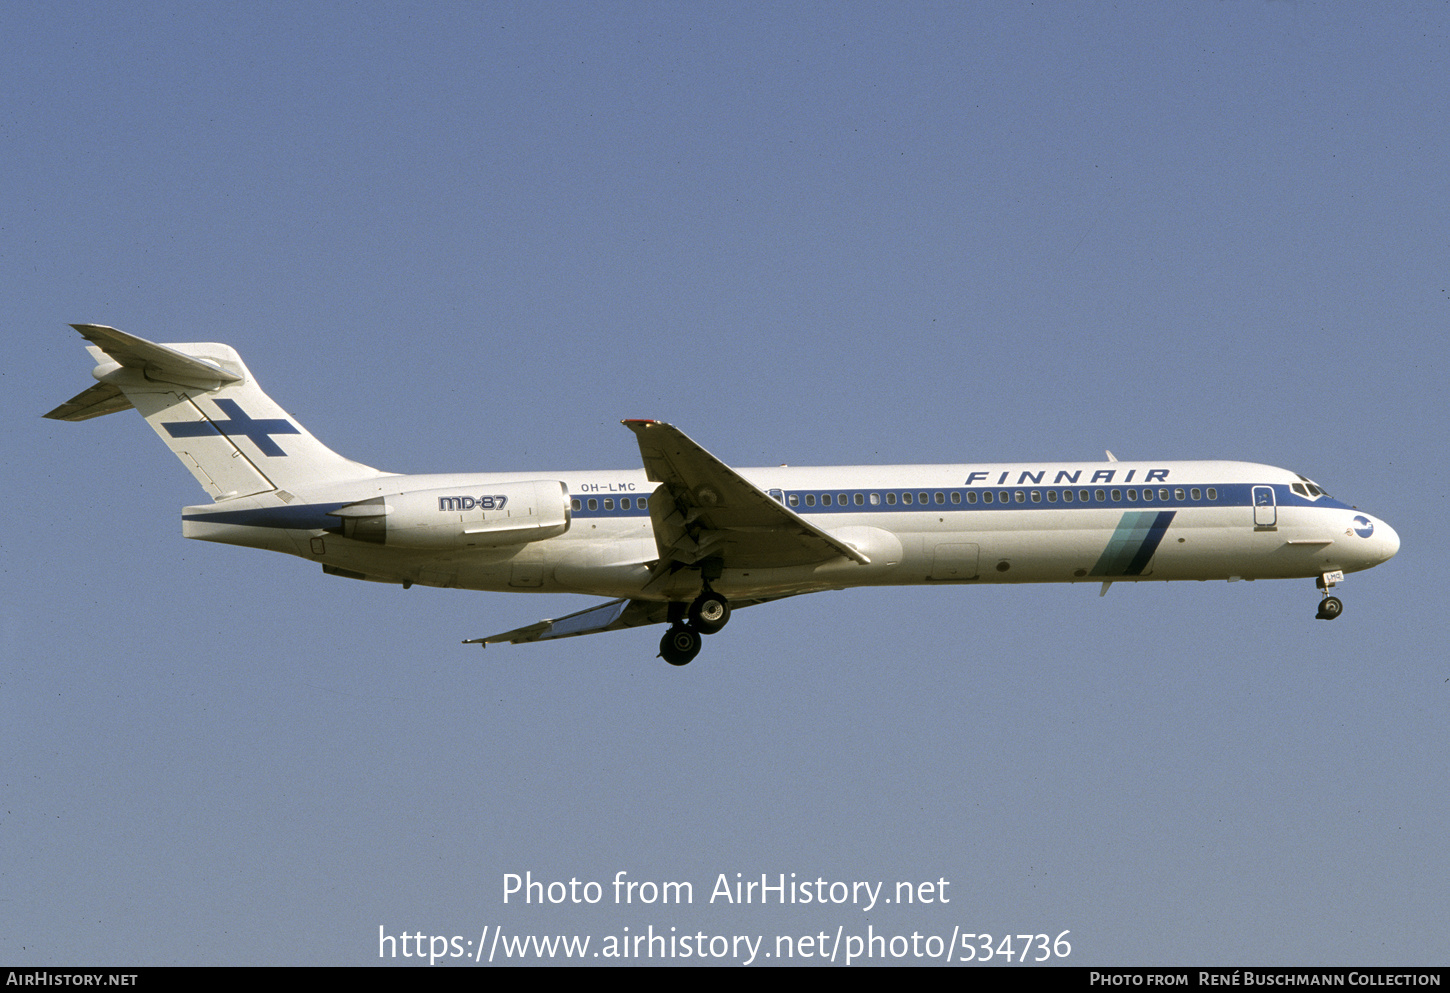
x=703 y=509
x=616 y=615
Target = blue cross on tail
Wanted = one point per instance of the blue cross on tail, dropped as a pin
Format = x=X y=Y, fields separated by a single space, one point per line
x=239 y=423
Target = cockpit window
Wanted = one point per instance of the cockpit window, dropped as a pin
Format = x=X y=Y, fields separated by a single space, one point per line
x=1315 y=490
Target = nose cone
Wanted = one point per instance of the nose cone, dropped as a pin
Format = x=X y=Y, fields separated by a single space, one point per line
x=1364 y=543
x=1371 y=541
x=1387 y=541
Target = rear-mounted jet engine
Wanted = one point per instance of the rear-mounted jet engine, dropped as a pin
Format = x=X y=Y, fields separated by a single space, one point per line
x=508 y=514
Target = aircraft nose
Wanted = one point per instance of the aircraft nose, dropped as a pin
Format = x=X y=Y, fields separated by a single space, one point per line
x=1388 y=541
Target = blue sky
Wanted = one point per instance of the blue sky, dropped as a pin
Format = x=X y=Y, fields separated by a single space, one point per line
x=474 y=237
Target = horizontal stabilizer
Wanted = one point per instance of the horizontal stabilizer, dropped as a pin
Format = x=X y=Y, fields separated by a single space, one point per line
x=156 y=363
x=159 y=363
x=103 y=398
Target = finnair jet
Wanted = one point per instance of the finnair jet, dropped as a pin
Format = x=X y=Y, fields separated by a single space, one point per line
x=685 y=539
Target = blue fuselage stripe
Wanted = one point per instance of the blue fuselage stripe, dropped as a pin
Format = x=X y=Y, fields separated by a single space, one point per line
x=314 y=516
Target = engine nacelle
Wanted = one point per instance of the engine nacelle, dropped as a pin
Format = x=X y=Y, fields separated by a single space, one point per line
x=452 y=518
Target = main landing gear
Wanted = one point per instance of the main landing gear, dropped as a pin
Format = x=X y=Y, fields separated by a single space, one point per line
x=680 y=644
x=1330 y=607
x=707 y=615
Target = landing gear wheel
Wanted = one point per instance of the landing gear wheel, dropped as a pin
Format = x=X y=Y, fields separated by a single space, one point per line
x=709 y=613
x=680 y=645
x=1329 y=608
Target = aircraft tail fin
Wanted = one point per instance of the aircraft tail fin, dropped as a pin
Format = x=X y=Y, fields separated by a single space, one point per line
x=201 y=400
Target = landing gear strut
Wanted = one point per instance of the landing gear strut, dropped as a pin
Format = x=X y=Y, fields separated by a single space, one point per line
x=1330 y=607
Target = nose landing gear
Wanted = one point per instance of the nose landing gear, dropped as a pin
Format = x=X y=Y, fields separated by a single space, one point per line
x=1330 y=607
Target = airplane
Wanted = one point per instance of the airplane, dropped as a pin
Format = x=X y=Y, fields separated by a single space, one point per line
x=684 y=539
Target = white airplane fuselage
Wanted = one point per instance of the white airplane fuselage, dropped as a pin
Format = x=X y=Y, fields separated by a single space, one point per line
x=1194 y=521
x=685 y=537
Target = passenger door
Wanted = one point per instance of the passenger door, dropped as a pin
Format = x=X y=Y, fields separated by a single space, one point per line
x=1266 y=515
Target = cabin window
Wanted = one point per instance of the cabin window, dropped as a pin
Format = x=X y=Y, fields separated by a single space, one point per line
x=608 y=503
x=1117 y=496
x=810 y=499
x=1163 y=494
x=956 y=497
x=642 y=503
x=793 y=500
x=1051 y=496
x=575 y=504
x=1178 y=493
x=875 y=499
x=1067 y=496
x=906 y=498
x=1147 y=494
x=825 y=499
x=940 y=497
x=891 y=499
x=1036 y=496
x=971 y=496
x=986 y=496
x=859 y=499
x=921 y=498
x=593 y=504
x=1133 y=494
x=1212 y=493
x=1197 y=493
